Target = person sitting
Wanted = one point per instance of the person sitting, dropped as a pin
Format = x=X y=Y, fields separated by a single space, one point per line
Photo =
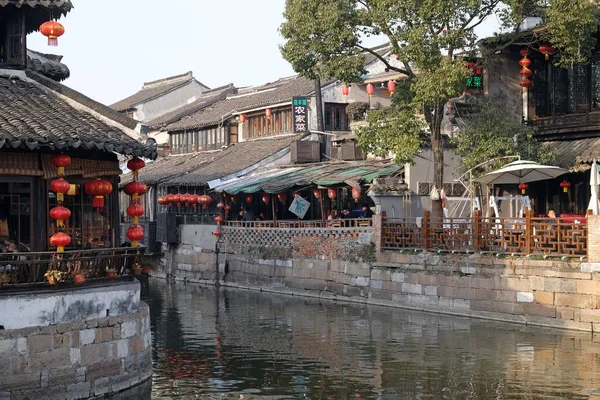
x=553 y=224
x=333 y=215
x=248 y=215
x=346 y=214
x=366 y=211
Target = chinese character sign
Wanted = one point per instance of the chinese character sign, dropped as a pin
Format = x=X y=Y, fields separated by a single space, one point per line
x=300 y=114
x=475 y=80
x=299 y=206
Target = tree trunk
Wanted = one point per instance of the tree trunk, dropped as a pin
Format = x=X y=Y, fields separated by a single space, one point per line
x=437 y=147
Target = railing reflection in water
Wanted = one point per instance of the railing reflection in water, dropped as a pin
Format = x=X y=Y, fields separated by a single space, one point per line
x=22 y=270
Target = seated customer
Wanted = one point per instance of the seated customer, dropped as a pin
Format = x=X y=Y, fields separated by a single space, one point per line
x=366 y=211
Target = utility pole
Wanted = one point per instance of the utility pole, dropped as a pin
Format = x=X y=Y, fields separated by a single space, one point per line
x=323 y=140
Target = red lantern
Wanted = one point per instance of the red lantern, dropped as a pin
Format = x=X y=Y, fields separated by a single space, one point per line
x=162 y=200
x=234 y=199
x=170 y=198
x=218 y=219
x=525 y=83
x=185 y=198
x=60 y=187
x=193 y=199
x=249 y=198
x=60 y=241
x=547 y=51
x=356 y=193
x=135 y=210
x=227 y=208
x=59 y=214
x=370 y=90
x=61 y=161
x=135 y=189
x=565 y=185
x=268 y=113
x=525 y=72
x=217 y=233
x=135 y=164
x=135 y=233
x=205 y=200
x=332 y=193
x=53 y=30
x=391 y=87
x=242 y=118
x=523 y=187
x=524 y=52
x=266 y=198
x=345 y=90
x=317 y=194
x=176 y=199
x=525 y=62
x=281 y=197
x=98 y=188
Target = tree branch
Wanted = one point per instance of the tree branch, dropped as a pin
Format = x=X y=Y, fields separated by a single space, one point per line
x=383 y=60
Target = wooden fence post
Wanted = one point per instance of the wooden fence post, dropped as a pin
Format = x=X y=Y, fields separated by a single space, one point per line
x=426 y=222
x=476 y=230
x=528 y=231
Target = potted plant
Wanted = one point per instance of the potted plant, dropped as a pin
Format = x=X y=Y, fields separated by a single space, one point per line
x=136 y=269
x=5 y=279
x=111 y=273
x=53 y=276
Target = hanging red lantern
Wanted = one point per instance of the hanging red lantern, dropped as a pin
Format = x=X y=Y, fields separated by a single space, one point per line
x=135 y=233
x=525 y=72
x=227 y=208
x=249 y=198
x=135 y=189
x=266 y=198
x=170 y=199
x=268 y=113
x=98 y=188
x=60 y=214
x=162 y=200
x=135 y=164
x=60 y=187
x=547 y=51
x=242 y=118
x=345 y=90
x=205 y=200
x=332 y=193
x=370 y=89
x=317 y=193
x=524 y=52
x=391 y=85
x=185 y=198
x=177 y=199
x=523 y=187
x=234 y=199
x=61 y=161
x=565 y=185
x=53 y=30
x=193 y=199
x=218 y=219
x=220 y=205
x=525 y=62
x=281 y=197
x=217 y=233
x=60 y=241
x=525 y=83
x=356 y=194
x=135 y=210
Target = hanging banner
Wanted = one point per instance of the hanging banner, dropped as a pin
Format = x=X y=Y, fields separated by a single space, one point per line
x=300 y=114
x=299 y=206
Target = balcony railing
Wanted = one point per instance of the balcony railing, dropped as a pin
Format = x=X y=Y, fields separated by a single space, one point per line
x=566 y=123
x=23 y=270
x=334 y=223
x=556 y=237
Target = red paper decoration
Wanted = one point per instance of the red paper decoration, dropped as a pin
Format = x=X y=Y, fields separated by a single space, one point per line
x=135 y=164
x=135 y=210
x=332 y=193
x=266 y=198
x=547 y=51
x=281 y=197
x=370 y=90
x=135 y=233
x=162 y=200
x=268 y=113
x=345 y=90
x=356 y=194
x=98 y=188
x=565 y=185
x=61 y=161
x=218 y=219
x=523 y=187
x=60 y=214
x=60 y=187
x=391 y=85
x=53 y=30
x=205 y=200
x=242 y=118
x=249 y=198
x=135 y=189
x=525 y=83
x=60 y=241
x=193 y=200
x=317 y=194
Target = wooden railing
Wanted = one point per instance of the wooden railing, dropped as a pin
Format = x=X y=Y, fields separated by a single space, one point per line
x=334 y=223
x=555 y=237
x=26 y=269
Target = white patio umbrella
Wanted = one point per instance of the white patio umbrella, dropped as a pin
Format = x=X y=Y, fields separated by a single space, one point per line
x=594 y=182
x=521 y=172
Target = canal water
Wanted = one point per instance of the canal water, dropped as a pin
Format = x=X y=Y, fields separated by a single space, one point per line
x=234 y=344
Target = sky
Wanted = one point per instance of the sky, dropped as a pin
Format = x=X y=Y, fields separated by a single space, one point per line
x=112 y=46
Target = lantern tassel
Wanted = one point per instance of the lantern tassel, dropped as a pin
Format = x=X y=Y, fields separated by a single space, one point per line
x=52 y=41
x=136 y=220
x=98 y=202
x=61 y=171
x=60 y=197
x=134 y=243
x=60 y=249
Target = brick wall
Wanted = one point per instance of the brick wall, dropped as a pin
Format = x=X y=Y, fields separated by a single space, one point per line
x=76 y=360
x=593 y=226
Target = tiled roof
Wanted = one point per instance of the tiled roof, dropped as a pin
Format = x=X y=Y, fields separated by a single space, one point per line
x=154 y=89
x=209 y=97
x=575 y=155
x=48 y=65
x=32 y=116
x=199 y=168
x=381 y=50
x=248 y=98
x=37 y=13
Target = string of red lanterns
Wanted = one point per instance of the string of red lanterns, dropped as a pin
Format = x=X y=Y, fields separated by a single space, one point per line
x=525 y=71
x=60 y=186
x=136 y=189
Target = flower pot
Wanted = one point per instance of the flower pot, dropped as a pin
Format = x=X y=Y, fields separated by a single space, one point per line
x=79 y=279
x=137 y=270
x=111 y=274
x=51 y=280
x=146 y=269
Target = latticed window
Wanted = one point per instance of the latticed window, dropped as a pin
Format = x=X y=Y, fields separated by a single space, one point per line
x=280 y=123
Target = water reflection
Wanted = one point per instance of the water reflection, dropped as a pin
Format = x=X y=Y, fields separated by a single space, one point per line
x=211 y=344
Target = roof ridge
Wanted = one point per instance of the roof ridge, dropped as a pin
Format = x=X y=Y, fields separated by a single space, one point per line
x=169 y=79
x=217 y=89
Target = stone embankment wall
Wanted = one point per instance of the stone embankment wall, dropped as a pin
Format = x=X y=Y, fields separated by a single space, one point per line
x=78 y=359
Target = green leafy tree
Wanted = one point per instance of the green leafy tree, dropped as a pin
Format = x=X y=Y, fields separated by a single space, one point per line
x=488 y=135
x=324 y=39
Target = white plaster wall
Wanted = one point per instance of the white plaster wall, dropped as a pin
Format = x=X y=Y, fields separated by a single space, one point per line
x=175 y=99
x=199 y=236
x=55 y=307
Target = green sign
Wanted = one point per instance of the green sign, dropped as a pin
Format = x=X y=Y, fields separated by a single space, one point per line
x=300 y=114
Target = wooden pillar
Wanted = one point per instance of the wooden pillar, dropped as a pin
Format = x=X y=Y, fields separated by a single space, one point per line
x=528 y=231
x=425 y=229
x=476 y=230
